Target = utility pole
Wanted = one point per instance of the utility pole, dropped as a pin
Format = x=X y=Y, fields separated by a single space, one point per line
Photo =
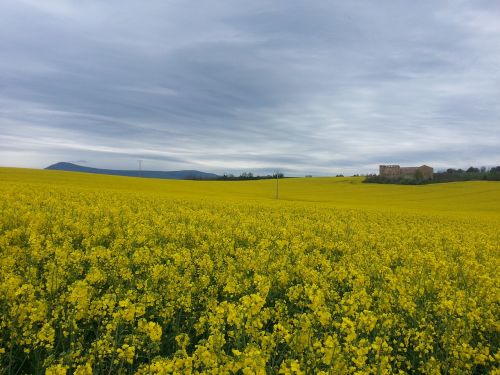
x=140 y=167
x=277 y=185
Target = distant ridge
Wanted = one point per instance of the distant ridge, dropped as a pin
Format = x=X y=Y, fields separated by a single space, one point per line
x=175 y=175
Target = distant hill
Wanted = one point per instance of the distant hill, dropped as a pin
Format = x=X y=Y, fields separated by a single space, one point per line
x=176 y=175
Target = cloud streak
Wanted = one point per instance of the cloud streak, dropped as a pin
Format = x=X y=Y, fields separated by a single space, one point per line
x=311 y=88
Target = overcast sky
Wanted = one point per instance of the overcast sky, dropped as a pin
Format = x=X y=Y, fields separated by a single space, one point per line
x=309 y=87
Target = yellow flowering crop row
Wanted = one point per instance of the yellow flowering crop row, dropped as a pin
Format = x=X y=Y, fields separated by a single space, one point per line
x=97 y=280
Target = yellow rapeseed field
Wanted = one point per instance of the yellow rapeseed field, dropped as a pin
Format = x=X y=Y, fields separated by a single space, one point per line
x=116 y=275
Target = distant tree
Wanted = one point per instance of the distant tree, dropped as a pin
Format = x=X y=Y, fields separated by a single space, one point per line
x=451 y=170
x=246 y=176
x=472 y=170
x=419 y=176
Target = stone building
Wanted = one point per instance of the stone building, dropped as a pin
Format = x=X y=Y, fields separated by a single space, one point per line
x=396 y=171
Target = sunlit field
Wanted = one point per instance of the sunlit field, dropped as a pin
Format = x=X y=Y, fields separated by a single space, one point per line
x=107 y=275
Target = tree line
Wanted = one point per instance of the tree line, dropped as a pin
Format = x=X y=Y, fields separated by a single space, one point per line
x=249 y=176
x=469 y=174
x=449 y=175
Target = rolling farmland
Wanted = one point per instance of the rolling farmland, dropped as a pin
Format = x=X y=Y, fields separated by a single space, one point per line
x=102 y=274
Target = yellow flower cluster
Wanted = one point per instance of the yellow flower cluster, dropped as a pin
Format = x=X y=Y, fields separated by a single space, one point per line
x=114 y=281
